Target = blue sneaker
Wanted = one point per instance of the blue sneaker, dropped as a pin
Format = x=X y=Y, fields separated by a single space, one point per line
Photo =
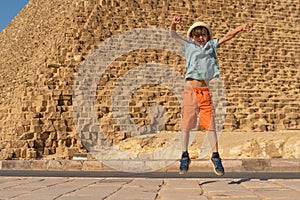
x=184 y=165
x=218 y=167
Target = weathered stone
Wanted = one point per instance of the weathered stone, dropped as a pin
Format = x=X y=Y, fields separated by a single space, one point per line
x=31 y=153
x=27 y=136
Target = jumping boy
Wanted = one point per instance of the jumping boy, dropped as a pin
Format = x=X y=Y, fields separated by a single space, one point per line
x=201 y=67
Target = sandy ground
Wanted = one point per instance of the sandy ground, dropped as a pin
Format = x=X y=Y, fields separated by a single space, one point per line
x=284 y=144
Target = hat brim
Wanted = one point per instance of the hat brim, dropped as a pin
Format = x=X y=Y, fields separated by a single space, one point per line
x=199 y=24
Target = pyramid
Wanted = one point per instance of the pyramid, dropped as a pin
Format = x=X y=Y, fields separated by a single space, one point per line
x=49 y=45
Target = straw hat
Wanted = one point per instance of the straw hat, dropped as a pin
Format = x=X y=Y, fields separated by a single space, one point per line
x=196 y=24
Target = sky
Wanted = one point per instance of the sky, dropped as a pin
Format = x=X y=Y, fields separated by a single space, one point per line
x=8 y=10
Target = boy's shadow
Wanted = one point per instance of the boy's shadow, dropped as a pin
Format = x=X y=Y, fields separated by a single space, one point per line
x=231 y=182
x=240 y=181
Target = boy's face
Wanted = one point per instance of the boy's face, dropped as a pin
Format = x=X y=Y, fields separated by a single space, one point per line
x=200 y=36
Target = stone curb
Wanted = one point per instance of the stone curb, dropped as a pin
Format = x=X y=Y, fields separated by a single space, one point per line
x=197 y=165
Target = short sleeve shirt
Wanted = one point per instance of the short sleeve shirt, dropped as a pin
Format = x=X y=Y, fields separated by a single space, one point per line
x=201 y=61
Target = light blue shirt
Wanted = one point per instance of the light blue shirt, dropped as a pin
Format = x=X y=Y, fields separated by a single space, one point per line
x=201 y=61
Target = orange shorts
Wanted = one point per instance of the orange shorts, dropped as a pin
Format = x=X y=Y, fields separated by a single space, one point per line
x=197 y=101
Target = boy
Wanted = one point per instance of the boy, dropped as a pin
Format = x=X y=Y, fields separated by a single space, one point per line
x=201 y=67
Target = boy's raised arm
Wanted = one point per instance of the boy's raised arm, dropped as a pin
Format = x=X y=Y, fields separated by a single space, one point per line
x=176 y=20
x=233 y=33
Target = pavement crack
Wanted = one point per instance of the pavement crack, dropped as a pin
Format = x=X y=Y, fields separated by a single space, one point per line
x=158 y=196
x=76 y=189
x=117 y=190
x=21 y=184
x=25 y=183
x=202 y=190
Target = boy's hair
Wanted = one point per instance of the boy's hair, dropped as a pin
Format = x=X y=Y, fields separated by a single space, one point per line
x=197 y=31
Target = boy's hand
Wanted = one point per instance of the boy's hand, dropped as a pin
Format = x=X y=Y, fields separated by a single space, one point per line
x=245 y=28
x=176 y=20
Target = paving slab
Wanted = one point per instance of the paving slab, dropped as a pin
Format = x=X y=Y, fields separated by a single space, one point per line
x=275 y=193
x=293 y=184
x=181 y=189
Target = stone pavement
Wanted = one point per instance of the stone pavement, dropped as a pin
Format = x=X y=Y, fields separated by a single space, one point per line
x=62 y=180
x=120 y=188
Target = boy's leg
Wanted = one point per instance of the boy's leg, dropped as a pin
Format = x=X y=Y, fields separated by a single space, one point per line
x=207 y=121
x=185 y=138
x=185 y=158
x=215 y=158
x=206 y=117
x=188 y=122
x=213 y=140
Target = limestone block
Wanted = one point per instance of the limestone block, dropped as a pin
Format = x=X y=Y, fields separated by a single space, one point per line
x=31 y=153
x=6 y=154
x=20 y=129
x=18 y=143
x=49 y=151
x=69 y=153
x=292 y=148
x=48 y=143
x=35 y=128
x=23 y=153
x=5 y=145
x=48 y=127
x=17 y=152
x=39 y=143
x=40 y=151
x=10 y=137
x=30 y=143
x=26 y=136
x=60 y=151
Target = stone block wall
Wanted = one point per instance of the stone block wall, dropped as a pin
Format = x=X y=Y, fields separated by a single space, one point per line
x=43 y=50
